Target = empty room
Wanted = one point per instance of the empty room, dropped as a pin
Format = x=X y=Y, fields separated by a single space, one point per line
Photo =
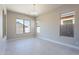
x=39 y=29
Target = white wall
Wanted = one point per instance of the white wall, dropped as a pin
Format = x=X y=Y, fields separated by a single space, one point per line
x=50 y=25
x=11 y=25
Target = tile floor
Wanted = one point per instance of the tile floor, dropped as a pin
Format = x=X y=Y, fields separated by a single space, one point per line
x=34 y=46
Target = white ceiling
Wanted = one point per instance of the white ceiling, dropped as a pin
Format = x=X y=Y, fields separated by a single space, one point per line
x=29 y=9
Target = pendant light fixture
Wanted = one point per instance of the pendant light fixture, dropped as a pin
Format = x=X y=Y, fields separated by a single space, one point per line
x=34 y=11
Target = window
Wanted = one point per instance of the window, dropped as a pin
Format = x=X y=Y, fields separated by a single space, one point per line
x=38 y=26
x=67 y=24
x=22 y=26
x=26 y=26
x=19 y=26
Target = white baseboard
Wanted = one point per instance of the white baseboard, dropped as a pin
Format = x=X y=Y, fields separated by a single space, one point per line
x=64 y=44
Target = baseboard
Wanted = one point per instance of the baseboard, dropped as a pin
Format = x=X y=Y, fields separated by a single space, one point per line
x=64 y=44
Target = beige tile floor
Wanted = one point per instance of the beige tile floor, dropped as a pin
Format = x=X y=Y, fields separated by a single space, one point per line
x=34 y=46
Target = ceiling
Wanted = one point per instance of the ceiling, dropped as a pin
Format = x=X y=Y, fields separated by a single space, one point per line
x=31 y=9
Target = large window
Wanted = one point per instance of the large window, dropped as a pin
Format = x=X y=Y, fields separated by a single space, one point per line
x=22 y=26
x=19 y=26
x=26 y=26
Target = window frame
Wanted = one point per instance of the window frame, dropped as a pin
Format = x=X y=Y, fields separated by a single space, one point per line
x=24 y=27
x=37 y=26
